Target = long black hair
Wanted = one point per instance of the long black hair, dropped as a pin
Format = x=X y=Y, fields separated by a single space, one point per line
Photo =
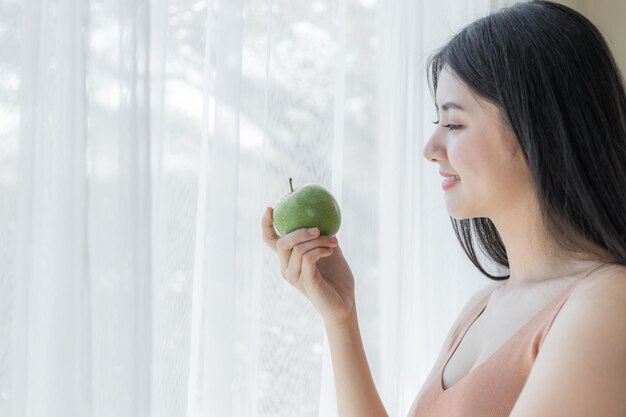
x=558 y=89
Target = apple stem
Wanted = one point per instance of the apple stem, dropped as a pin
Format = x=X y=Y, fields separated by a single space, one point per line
x=290 y=184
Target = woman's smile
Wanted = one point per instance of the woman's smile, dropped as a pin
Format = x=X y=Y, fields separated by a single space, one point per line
x=450 y=182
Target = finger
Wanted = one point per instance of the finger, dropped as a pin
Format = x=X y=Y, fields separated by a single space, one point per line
x=309 y=261
x=298 y=252
x=285 y=244
x=270 y=237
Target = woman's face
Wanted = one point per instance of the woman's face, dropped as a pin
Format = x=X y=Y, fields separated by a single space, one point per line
x=494 y=175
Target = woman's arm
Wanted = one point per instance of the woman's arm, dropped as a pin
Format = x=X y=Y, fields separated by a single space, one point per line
x=356 y=393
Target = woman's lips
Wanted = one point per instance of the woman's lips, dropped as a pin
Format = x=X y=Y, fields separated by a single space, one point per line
x=446 y=185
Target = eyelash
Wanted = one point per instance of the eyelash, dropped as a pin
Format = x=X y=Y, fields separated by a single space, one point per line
x=449 y=126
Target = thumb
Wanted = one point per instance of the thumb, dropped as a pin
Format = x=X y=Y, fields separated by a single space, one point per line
x=267 y=229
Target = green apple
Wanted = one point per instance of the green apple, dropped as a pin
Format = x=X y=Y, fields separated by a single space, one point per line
x=310 y=205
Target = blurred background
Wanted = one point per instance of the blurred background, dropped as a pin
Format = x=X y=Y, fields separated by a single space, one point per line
x=140 y=142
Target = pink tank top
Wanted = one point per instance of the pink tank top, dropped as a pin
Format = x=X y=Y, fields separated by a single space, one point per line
x=492 y=388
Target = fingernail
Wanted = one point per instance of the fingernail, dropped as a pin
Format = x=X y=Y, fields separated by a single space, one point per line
x=312 y=231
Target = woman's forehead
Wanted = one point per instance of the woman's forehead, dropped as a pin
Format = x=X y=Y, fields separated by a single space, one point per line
x=451 y=88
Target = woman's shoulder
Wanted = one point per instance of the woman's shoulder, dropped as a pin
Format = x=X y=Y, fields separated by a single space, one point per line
x=608 y=279
x=474 y=300
x=586 y=343
x=481 y=294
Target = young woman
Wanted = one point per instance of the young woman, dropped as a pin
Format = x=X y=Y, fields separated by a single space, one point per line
x=532 y=121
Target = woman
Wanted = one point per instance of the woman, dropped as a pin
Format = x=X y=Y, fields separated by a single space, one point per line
x=532 y=118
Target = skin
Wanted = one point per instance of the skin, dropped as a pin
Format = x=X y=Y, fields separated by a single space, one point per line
x=580 y=370
x=495 y=183
x=315 y=266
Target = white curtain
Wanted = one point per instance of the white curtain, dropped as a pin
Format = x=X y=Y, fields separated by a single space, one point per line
x=140 y=142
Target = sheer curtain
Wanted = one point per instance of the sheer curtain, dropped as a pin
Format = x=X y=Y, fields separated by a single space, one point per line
x=141 y=140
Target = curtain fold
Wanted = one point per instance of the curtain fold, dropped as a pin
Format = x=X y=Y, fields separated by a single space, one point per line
x=50 y=339
x=424 y=278
x=140 y=142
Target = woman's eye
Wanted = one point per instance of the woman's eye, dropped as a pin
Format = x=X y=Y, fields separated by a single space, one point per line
x=452 y=127
x=449 y=126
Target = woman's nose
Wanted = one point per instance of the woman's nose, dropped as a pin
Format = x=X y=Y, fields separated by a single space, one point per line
x=433 y=151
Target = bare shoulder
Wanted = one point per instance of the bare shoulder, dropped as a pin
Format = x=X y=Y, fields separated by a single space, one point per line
x=471 y=303
x=597 y=301
x=608 y=279
x=474 y=300
x=481 y=294
x=580 y=369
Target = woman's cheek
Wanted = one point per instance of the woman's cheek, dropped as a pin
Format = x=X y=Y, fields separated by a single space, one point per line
x=460 y=156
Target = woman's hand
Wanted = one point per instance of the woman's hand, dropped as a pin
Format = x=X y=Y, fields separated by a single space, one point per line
x=315 y=266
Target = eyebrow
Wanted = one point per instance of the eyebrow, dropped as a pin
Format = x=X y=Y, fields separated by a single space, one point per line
x=450 y=105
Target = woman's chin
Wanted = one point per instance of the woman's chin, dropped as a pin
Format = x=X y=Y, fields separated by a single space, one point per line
x=456 y=212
